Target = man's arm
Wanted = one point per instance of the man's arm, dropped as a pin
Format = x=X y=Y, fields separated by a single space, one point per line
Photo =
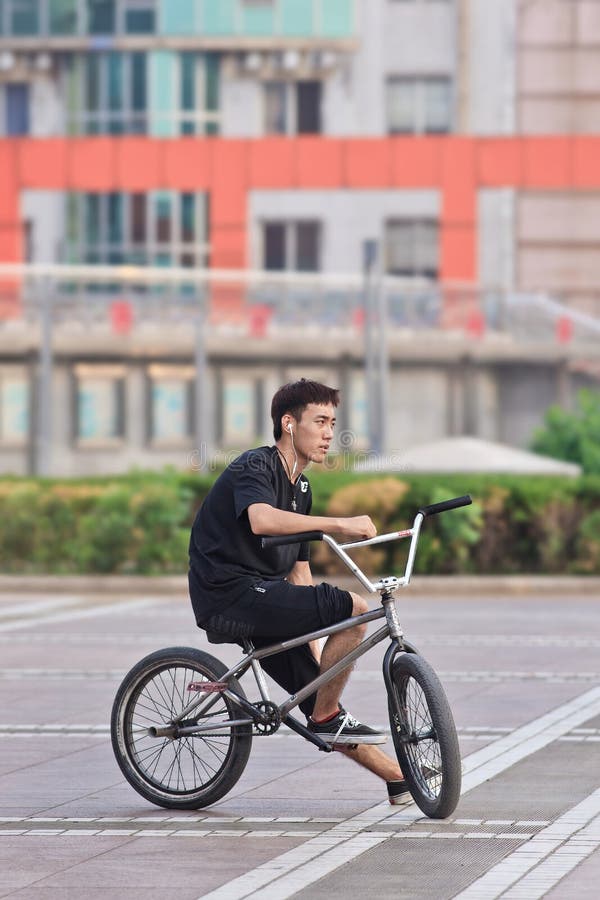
x=301 y=574
x=266 y=519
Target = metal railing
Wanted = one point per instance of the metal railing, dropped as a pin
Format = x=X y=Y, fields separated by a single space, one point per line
x=45 y=309
x=262 y=304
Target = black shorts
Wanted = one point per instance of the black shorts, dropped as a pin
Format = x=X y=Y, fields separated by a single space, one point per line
x=277 y=610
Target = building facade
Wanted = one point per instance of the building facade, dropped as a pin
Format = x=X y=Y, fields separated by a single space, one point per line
x=455 y=136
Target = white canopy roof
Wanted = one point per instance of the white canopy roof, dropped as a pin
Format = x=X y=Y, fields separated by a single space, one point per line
x=467 y=454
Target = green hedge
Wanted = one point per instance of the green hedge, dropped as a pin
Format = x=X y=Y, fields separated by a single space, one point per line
x=140 y=523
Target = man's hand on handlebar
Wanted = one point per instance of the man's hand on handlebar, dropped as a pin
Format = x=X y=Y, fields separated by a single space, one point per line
x=358 y=527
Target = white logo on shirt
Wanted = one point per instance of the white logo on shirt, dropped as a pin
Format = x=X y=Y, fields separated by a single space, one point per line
x=304 y=486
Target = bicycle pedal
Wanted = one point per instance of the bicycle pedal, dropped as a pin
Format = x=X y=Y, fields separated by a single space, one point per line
x=208 y=687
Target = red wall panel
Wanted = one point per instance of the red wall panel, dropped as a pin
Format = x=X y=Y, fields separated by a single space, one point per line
x=42 y=164
x=367 y=163
x=91 y=164
x=458 y=252
x=139 y=164
x=272 y=163
x=586 y=162
x=228 y=203
x=319 y=163
x=547 y=162
x=11 y=237
x=458 y=181
x=187 y=164
x=416 y=162
x=228 y=169
x=499 y=162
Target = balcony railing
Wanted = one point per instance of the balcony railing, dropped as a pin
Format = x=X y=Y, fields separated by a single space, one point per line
x=101 y=22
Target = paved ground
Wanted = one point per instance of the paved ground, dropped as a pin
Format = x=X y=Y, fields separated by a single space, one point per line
x=523 y=677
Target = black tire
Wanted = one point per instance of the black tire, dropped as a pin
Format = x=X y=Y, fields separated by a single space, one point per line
x=424 y=736
x=189 y=772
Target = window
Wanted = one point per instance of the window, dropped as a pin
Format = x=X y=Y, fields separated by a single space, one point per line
x=17 y=109
x=276 y=107
x=412 y=248
x=22 y=17
x=14 y=407
x=63 y=16
x=171 y=403
x=160 y=227
x=108 y=92
x=292 y=107
x=238 y=412
x=140 y=16
x=291 y=246
x=101 y=16
x=419 y=105
x=308 y=107
x=99 y=404
x=358 y=417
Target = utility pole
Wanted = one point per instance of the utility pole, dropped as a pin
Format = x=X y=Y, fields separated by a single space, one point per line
x=382 y=363
x=201 y=412
x=370 y=337
x=42 y=456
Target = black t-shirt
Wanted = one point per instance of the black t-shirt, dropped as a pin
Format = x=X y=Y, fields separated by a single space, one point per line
x=226 y=558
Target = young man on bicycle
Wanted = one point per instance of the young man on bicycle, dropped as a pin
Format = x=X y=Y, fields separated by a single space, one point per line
x=239 y=590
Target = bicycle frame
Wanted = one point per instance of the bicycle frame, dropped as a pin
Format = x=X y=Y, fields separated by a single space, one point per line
x=385 y=587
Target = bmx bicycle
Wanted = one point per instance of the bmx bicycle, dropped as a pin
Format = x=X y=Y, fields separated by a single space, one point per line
x=182 y=726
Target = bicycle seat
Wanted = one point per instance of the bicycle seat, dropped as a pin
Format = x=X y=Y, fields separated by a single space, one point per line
x=215 y=638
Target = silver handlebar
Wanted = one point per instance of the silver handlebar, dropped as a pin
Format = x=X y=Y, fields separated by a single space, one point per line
x=392 y=582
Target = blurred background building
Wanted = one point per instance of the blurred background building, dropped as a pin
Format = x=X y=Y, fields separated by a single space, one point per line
x=416 y=179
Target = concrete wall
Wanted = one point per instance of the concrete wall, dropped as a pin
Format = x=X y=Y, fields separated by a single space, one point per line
x=348 y=218
x=525 y=391
x=46 y=210
x=241 y=107
x=496 y=238
x=459 y=392
x=394 y=39
x=48 y=107
x=487 y=82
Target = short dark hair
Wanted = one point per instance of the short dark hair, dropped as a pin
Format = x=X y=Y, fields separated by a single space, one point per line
x=293 y=398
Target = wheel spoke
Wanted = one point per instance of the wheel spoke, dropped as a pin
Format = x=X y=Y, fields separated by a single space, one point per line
x=184 y=765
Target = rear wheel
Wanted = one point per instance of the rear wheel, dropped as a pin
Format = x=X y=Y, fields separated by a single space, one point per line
x=424 y=736
x=185 y=772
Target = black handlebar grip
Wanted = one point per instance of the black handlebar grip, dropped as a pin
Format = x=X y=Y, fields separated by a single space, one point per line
x=278 y=540
x=435 y=508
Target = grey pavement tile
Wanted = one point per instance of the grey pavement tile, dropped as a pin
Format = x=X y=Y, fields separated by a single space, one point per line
x=581 y=883
x=73 y=776
x=27 y=858
x=520 y=794
x=419 y=869
x=201 y=864
x=107 y=892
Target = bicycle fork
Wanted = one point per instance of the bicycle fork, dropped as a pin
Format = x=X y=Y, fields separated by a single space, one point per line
x=397 y=645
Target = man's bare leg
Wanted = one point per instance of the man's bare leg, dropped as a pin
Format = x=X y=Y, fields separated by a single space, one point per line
x=373 y=759
x=337 y=645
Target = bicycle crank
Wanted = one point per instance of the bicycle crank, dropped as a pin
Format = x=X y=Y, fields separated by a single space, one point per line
x=269 y=717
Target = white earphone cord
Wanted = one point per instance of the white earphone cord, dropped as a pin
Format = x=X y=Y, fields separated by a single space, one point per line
x=291 y=431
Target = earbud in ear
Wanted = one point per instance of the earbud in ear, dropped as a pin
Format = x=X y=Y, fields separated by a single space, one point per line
x=289 y=428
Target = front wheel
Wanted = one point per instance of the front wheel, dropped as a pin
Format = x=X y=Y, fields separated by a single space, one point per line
x=424 y=736
x=185 y=772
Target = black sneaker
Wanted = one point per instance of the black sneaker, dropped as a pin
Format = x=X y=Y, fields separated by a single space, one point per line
x=345 y=729
x=398 y=792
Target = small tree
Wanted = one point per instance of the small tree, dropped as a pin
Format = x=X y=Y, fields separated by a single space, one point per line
x=573 y=436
